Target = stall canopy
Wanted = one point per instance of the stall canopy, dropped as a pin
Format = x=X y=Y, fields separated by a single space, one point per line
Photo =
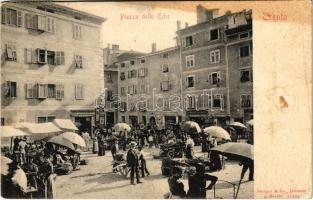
x=39 y=131
x=65 y=124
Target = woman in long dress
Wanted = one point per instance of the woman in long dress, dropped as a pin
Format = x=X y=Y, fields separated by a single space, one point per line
x=95 y=147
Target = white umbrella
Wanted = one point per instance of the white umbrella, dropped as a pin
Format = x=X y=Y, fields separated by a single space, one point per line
x=10 y=131
x=190 y=125
x=238 y=124
x=65 y=124
x=250 y=122
x=5 y=161
x=74 y=138
x=121 y=127
x=218 y=132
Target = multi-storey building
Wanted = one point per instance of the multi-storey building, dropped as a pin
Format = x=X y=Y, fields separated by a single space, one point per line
x=149 y=87
x=215 y=52
x=51 y=66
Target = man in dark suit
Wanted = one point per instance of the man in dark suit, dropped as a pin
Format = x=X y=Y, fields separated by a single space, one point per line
x=133 y=163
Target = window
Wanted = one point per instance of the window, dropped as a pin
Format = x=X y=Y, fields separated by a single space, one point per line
x=42 y=91
x=215 y=56
x=132 y=89
x=78 y=60
x=79 y=92
x=132 y=74
x=11 y=17
x=218 y=101
x=77 y=31
x=132 y=62
x=190 y=60
x=142 y=89
x=51 y=57
x=245 y=101
x=122 y=64
x=10 y=52
x=31 y=90
x=165 y=86
x=45 y=119
x=109 y=95
x=245 y=75
x=59 y=92
x=214 y=34
x=123 y=93
x=41 y=56
x=59 y=58
x=41 y=23
x=244 y=35
x=142 y=72
x=122 y=76
x=51 y=91
x=142 y=61
x=215 y=78
x=190 y=81
x=109 y=78
x=191 y=102
x=188 y=41
x=12 y=87
x=123 y=107
x=244 y=51
x=165 y=55
x=165 y=68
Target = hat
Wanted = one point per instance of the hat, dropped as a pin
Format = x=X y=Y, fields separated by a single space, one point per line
x=132 y=143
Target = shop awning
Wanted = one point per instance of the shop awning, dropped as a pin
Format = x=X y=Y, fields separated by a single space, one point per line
x=39 y=131
x=65 y=124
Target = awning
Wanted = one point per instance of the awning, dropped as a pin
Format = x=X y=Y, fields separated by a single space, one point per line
x=65 y=124
x=10 y=131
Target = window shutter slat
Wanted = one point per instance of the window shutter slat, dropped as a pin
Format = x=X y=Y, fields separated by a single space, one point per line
x=3 y=15
x=19 y=18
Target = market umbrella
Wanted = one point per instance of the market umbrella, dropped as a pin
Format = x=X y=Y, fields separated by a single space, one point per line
x=121 y=127
x=189 y=126
x=237 y=124
x=39 y=131
x=10 y=131
x=59 y=140
x=74 y=138
x=250 y=122
x=65 y=124
x=217 y=131
x=239 y=151
x=5 y=161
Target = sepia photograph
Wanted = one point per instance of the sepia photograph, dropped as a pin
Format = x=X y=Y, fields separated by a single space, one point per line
x=117 y=100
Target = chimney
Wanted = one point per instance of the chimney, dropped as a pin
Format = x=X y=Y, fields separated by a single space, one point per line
x=115 y=46
x=153 y=47
x=178 y=24
x=186 y=24
x=204 y=14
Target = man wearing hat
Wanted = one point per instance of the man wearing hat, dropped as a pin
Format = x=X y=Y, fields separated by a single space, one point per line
x=175 y=184
x=133 y=163
x=197 y=183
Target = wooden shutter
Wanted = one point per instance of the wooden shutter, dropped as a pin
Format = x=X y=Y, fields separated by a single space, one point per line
x=41 y=23
x=186 y=82
x=28 y=55
x=184 y=42
x=59 y=92
x=19 y=18
x=219 y=77
x=210 y=79
x=42 y=91
x=222 y=102
x=3 y=15
x=34 y=56
x=28 y=19
x=30 y=91
x=9 y=53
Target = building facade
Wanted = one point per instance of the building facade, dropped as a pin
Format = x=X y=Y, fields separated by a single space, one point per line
x=215 y=53
x=149 y=87
x=51 y=67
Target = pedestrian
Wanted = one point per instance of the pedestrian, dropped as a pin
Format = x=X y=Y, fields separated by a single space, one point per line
x=22 y=146
x=114 y=149
x=150 y=140
x=175 y=184
x=143 y=162
x=133 y=163
x=197 y=183
x=247 y=164
x=101 y=151
x=95 y=147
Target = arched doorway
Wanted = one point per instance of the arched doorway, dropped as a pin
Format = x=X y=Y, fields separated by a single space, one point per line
x=152 y=121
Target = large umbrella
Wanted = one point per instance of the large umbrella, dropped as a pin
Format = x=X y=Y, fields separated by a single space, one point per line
x=66 y=124
x=237 y=124
x=10 y=131
x=217 y=131
x=5 y=161
x=59 y=140
x=121 y=127
x=39 y=131
x=239 y=151
x=190 y=126
x=250 y=122
x=74 y=138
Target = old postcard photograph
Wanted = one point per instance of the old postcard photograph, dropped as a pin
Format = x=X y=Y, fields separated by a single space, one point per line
x=156 y=100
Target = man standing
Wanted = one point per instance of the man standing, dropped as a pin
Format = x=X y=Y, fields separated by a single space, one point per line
x=143 y=163
x=133 y=163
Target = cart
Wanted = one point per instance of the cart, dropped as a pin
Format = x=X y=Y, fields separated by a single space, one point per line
x=175 y=150
x=120 y=165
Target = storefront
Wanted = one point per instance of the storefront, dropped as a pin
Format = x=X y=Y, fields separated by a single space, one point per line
x=84 y=120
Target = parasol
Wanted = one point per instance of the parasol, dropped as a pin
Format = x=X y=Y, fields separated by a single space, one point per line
x=250 y=122
x=59 y=140
x=121 y=127
x=237 y=124
x=74 y=138
x=190 y=126
x=218 y=132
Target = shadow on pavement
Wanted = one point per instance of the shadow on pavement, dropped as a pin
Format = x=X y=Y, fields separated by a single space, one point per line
x=85 y=175
x=102 y=189
x=106 y=178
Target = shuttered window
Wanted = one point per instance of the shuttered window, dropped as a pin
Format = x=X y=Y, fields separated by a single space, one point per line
x=42 y=91
x=78 y=59
x=10 y=52
x=11 y=17
x=31 y=91
x=12 y=88
x=77 y=31
x=79 y=92
x=59 y=92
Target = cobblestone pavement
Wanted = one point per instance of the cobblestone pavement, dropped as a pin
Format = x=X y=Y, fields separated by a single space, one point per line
x=96 y=180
